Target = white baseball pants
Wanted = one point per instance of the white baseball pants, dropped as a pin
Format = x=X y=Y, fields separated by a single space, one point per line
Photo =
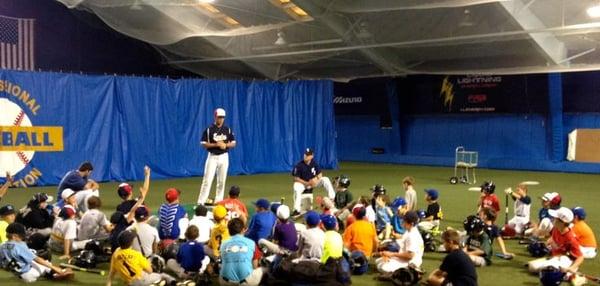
x=299 y=188
x=214 y=164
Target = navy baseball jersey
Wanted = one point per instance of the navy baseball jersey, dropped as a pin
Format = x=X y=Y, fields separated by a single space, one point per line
x=213 y=134
x=306 y=172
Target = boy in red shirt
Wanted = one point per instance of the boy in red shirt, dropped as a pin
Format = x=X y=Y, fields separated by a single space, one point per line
x=565 y=251
x=488 y=199
x=235 y=207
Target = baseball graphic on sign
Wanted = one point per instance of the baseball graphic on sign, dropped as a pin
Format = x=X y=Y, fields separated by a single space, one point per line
x=13 y=161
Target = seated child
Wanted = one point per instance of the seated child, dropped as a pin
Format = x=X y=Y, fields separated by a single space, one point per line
x=584 y=234
x=522 y=208
x=478 y=245
x=456 y=268
x=190 y=256
x=433 y=215
x=17 y=257
x=94 y=224
x=411 y=248
x=384 y=217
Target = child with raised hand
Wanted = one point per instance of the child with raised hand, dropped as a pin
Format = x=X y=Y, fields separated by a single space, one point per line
x=522 y=208
x=17 y=257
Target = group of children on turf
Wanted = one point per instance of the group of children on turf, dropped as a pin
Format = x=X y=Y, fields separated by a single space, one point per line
x=224 y=240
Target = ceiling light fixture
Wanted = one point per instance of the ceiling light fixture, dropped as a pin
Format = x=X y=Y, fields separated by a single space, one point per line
x=594 y=11
x=280 y=39
x=467 y=20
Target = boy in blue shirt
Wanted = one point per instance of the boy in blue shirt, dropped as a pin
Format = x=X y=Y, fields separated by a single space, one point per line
x=239 y=256
x=16 y=256
x=190 y=256
x=261 y=224
x=399 y=211
x=173 y=219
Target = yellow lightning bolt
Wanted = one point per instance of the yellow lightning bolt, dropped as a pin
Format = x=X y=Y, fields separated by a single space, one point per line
x=447 y=91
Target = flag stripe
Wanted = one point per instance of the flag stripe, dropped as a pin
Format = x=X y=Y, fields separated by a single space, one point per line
x=2 y=62
x=14 y=56
x=20 y=45
x=25 y=45
x=31 y=42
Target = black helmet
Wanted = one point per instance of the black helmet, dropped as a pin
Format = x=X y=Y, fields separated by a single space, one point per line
x=473 y=224
x=378 y=190
x=488 y=187
x=344 y=181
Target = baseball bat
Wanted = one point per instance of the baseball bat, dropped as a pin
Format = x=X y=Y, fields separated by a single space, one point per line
x=89 y=270
x=590 y=277
x=506 y=210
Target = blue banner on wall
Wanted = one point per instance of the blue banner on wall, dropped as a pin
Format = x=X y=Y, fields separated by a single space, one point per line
x=50 y=123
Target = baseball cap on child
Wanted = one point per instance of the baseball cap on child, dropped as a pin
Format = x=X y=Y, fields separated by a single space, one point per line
x=329 y=221
x=433 y=194
x=219 y=212
x=66 y=193
x=283 y=212
x=578 y=212
x=220 y=112
x=124 y=190
x=262 y=203
x=312 y=218
x=141 y=213
x=172 y=194
x=7 y=210
x=563 y=214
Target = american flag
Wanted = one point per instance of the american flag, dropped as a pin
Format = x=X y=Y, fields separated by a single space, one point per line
x=16 y=43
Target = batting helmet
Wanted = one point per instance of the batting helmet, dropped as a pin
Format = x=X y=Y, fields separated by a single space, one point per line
x=171 y=251
x=157 y=263
x=551 y=276
x=408 y=276
x=344 y=181
x=488 y=187
x=422 y=214
x=37 y=241
x=358 y=262
x=473 y=224
x=398 y=202
x=378 y=190
x=94 y=246
x=86 y=259
x=538 y=249
x=390 y=245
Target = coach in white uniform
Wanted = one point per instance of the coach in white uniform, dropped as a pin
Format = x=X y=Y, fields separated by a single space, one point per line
x=217 y=139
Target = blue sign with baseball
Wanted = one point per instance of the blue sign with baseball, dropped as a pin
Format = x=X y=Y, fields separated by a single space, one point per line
x=50 y=123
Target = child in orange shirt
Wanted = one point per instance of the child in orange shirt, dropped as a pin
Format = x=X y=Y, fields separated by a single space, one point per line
x=584 y=234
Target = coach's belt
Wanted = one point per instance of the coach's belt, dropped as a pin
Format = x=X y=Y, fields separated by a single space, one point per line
x=239 y=282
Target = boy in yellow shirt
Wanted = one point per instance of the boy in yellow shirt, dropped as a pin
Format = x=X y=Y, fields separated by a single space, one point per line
x=132 y=266
x=7 y=216
x=219 y=233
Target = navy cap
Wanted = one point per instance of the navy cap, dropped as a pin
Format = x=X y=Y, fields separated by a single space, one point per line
x=7 y=210
x=579 y=212
x=308 y=151
x=262 y=203
x=141 y=213
x=433 y=194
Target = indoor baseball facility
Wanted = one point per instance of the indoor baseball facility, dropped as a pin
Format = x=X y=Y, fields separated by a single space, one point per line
x=299 y=142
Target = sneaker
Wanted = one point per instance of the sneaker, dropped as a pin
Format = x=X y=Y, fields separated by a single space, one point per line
x=161 y=282
x=186 y=283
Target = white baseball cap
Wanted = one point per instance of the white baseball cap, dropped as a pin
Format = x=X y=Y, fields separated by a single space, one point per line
x=564 y=214
x=283 y=212
x=66 y=193
x=220 y=112
x=549 y=196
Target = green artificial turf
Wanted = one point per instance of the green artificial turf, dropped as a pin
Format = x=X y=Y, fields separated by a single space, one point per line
x=456 y=201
